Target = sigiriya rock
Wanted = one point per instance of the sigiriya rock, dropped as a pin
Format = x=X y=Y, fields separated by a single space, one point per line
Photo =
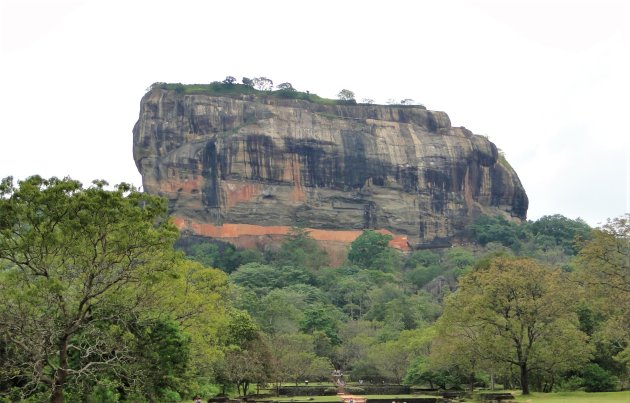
x=245 y=168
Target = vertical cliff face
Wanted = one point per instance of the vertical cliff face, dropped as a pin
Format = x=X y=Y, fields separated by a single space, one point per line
x=246 y=167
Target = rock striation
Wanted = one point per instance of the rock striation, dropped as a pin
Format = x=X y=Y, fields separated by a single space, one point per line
x=246 y=168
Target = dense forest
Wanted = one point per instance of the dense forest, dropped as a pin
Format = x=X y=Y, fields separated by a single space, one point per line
x=100 y=305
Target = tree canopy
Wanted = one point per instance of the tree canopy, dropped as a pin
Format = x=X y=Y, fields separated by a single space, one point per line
x=517 y=312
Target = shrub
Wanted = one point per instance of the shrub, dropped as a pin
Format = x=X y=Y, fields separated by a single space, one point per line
x=570 y=384
x=169 y=395
x=597 y=379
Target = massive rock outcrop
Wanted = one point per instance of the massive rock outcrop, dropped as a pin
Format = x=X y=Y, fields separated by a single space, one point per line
x=246 y=168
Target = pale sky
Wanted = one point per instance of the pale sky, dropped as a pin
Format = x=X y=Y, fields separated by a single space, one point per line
x=547 y=81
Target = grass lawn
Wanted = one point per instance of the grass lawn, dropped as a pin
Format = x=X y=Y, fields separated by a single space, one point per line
x=559 y=397
x=338 y=399
x=307 y=399
x=576 y=397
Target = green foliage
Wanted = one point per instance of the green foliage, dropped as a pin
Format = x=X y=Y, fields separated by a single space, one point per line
x=597 y=379
x=420 y=373
x=250 y=363
x=248 y=87
x=281 y=310
x=423 y=258
x=164 y=353
x=105 y=391
x=420 y=276
x=82 y=261
x=371 y=251
x=300 y=250
x=487 y=229
x=512 y=311
x=263 y=278
x=603 y=266
x=222 y=255
x=287 y=87
x=296 y=359
x=346 y=95
x=319 y=318
x=171 y=327
x=561 y=231
x=263 y=83
x=241 y=329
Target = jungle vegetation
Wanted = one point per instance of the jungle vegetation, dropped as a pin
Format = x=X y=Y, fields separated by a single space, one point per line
x=100 y=306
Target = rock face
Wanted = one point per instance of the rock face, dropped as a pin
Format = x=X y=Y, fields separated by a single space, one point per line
x=244 y=168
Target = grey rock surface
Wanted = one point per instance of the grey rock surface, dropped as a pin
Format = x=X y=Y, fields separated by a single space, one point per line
x=279 y=162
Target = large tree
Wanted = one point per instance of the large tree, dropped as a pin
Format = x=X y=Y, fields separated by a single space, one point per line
x=604 y=268
x=514 y=311
x=80 y=264
x=296 y=359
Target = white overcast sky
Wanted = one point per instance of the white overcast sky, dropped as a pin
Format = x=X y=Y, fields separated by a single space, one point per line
x=547 y=81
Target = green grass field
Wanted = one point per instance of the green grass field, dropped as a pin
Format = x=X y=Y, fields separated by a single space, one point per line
x=577 y=397
x=320 y=399
x=559 y=397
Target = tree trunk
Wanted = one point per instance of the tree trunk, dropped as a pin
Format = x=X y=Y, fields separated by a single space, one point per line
x=57 y=395
x=524 y=378
x=59 y=379
x=245 y=387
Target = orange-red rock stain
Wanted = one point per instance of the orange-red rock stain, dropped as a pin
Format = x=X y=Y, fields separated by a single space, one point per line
x=232 y=232
x=235 y=192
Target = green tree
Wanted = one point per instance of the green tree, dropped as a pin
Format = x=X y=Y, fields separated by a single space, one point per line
x=424 y=258
x=297 y=360
x=247 y=356
x=195 y=297
x=606 y=258
x=371 y=251
x=346 y=95
x=163 y=357
x=561 y=231
x=77 y=256
x=263 y=278
x=250 y=363
x=298 y=249
x=391 y=359
x=597 y=379
x=285 y=87
x=218 y=255
x=280 y=311
x=604 y=268
x=322 y=318
x=515 y=311
x=488 y=229
x=421 y=373
x=421 y=276
x=263 y=83
x=240 y=329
